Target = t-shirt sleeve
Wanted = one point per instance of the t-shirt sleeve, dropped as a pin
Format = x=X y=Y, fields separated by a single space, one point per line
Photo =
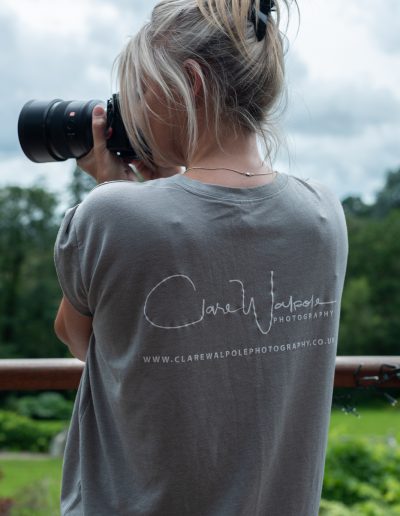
x=67 y=264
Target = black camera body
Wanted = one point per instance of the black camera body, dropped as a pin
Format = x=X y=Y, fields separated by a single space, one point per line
x=57 y=130
x=118 y=141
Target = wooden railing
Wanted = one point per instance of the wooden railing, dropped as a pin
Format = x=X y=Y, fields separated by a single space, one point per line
x=65 y=373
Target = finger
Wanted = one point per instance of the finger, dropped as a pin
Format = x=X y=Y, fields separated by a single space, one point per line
x=98 y=126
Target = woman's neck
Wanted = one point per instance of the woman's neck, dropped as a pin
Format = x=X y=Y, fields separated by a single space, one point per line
x=240 y=153
x=229 y=178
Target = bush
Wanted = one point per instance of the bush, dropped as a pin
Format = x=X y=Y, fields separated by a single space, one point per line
x=328 y=508
x=361 y=475
x=46 y=405
x=20 y=433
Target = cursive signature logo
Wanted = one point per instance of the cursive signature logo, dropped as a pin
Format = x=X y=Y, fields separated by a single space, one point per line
x=247 y=305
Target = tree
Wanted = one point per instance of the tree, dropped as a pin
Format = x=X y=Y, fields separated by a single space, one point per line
x=371 y=295
x=81 y=184
x=29 y=291
x=355 y=206
x=388 y=198
x=360 y=322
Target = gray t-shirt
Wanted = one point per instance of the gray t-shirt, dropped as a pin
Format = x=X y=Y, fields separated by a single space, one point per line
x=208 y=382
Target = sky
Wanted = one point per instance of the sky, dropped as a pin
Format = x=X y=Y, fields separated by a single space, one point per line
x=342 y=123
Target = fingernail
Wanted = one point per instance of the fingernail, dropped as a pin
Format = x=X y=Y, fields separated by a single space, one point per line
x=98 y=111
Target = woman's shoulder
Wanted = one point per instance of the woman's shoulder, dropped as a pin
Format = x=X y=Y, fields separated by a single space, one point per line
x=110 y=189
x=316 y=189
x=114 y=193
x=121 y=200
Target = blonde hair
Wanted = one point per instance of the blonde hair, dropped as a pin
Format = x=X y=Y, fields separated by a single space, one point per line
x=242 y=78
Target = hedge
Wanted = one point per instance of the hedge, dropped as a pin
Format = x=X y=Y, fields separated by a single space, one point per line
x=21 y=433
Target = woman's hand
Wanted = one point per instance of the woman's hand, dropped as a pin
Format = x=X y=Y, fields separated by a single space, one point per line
x=100 y=163
x=103 y=165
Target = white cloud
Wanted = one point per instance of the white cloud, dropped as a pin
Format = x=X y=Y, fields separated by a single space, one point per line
x=341 y=109
x=382 y=23
x=60 y=19
x=343 y=71
x=349 y=166
x=335 y=41
x=344 y=110
x=55 y=177
x=57 y=49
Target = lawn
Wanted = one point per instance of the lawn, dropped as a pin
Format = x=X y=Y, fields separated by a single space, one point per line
x=373 y=423
x=33 y=483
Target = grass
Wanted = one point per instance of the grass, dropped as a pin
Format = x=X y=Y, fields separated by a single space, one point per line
x=372 y=423
x=34 y=484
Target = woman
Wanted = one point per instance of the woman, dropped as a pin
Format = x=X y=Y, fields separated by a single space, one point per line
x=206 y=303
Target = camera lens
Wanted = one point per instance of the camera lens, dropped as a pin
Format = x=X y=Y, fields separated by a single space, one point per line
x=56 y=130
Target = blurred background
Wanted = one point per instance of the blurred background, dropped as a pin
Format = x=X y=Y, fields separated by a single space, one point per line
x=342 y=129
x=341 y=125
x=343 y=71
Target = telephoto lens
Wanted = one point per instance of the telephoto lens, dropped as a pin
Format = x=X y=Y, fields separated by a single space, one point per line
x=57 y=130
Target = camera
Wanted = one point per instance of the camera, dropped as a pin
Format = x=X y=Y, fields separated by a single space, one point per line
x=57 y=130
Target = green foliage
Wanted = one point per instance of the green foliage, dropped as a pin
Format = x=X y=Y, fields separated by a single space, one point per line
x=29 y=290
x=19 y=433
x=371 y=508
x=30 y=294
x=388 y=198
x=354 y=205
x=369 y=323
x=80 y=185
x=360 y=338
x=361 y=475
x=329 y=508
x=46 y=405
